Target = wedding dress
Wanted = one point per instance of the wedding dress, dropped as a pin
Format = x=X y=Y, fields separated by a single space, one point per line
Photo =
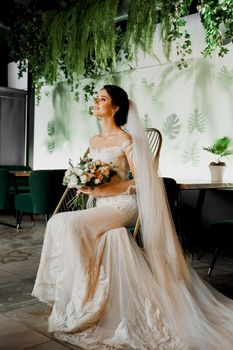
x=107 y=293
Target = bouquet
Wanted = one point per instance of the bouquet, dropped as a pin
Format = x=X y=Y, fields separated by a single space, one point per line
x=87 y=172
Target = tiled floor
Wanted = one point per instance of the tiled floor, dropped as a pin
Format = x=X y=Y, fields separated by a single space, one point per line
x=23 y=319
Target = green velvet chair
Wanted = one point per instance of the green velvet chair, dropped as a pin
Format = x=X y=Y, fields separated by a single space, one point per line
x=45 y=190
x=4 y=188
x=17 y=184
x=20 y=183
x=4 y=194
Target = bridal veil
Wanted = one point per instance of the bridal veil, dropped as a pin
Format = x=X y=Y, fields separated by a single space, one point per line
x=196 y=312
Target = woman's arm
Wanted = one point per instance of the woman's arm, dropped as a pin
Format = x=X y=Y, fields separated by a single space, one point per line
x=110 y=189
x=116 y=186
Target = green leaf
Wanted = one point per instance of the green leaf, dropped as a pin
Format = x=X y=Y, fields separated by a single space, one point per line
x=171 y=126
x=221 y=146
x=225 y=77
x=146 y=121
x=78 y=202
x=51 y=127
x=196 y=122
x=192 y=155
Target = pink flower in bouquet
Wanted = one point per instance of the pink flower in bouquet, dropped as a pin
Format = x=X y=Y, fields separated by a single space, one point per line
x=89 y=173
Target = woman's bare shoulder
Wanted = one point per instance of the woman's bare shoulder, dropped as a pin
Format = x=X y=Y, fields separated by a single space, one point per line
x=94 y=141
x=125 y=137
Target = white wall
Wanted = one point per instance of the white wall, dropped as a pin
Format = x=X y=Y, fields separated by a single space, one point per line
x=191 y=107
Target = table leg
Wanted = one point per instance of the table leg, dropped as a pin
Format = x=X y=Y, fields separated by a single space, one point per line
x=200 y=201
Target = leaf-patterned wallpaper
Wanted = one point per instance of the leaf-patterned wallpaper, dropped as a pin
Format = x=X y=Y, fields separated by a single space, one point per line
x=190 y=107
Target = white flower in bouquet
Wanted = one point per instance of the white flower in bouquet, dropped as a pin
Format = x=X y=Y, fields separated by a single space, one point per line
x=83 y=179
x=73 y=182
x=87 y=173
x=79 y=171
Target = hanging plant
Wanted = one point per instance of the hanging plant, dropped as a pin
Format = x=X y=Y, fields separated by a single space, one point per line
x=27 y=42
x=83 y=38
x=217 y=18
x=78 y=36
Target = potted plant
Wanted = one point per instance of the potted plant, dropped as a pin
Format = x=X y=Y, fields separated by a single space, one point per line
x=221 y=147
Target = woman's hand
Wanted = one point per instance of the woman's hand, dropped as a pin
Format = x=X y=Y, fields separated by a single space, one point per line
x=94 y=192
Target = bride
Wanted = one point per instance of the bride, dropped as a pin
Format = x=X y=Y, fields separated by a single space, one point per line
x=106 y=292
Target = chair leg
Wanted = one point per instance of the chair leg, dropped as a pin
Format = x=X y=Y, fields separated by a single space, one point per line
x=46 y=218
x=201 y=255
x=32 y=219
x=213 y=261
x=18 y=219
x=139 y=240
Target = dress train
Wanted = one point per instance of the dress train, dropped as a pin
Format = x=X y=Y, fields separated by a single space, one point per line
x=107 y=293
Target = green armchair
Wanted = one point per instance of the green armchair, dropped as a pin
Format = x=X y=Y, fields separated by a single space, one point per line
x=4 y=188
x=17 y=184
x=45 y=190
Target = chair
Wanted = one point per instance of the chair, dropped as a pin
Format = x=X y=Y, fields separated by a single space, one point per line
x=4 y=193
x=220 y=234
x=4 y=188
x=178 y=210
x=45 y=190
x=17 y=183
x=154 y=138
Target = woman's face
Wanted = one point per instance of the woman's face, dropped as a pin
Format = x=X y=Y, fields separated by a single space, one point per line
x=103 y=105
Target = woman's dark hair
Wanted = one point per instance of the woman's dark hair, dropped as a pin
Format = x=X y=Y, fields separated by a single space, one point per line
x=120 y=99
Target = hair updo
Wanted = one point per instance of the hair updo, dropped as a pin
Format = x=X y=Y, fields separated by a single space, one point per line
x=120 y=99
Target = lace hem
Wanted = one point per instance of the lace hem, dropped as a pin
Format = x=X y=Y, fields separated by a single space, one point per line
x=146 y=332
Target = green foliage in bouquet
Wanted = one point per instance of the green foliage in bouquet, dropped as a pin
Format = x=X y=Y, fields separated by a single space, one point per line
x=88 y=173
x=78 y=202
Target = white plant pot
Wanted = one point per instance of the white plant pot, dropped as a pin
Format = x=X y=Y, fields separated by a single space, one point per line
x=13 y=77
x=217 y=172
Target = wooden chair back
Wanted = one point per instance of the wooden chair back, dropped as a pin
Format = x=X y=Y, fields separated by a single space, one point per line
x=154 y=138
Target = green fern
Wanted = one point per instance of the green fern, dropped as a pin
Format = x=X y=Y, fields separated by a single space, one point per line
x=222 y=147
x=81 y=38
x=171 y=126
x=192 y=155
x=76 y=49
x=142 y=19
x=196 y=122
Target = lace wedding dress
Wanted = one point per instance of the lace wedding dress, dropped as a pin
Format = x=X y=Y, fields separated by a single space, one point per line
x=104 y=293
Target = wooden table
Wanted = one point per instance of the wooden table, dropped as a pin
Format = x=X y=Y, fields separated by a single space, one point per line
x=198 y=184
x=202 y=185
x=20 y=173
